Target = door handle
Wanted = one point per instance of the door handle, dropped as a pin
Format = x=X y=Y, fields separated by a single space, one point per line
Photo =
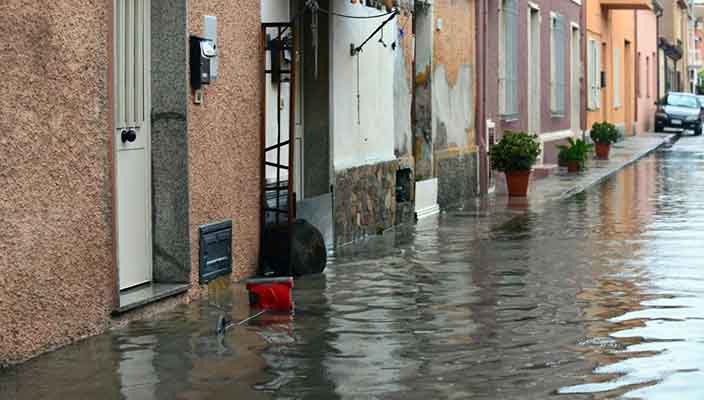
x=128 y=136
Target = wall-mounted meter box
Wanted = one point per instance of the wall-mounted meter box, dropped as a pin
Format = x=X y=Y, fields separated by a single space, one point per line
x=210 y=32
x=202 y=53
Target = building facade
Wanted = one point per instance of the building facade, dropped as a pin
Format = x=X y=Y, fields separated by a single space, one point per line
x=445 y=150
x=646 y=69
x=530 y=78
x=383 y=111
x=613 y=63
x=697 y=56
x=112 y=164
x=673 y=44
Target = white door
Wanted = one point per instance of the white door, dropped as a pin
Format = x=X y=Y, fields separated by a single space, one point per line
x=132 y=142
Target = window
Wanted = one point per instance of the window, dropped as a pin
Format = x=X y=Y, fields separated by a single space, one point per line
x=594 y=74
x=508 y=62
x=617 y=77
x=558 y=82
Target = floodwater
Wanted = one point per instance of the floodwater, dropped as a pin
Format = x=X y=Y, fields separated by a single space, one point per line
x=598 y=297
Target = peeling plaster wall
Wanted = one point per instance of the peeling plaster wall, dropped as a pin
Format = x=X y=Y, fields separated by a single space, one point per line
x=453 y=113
x=453 y=93
x=56 y=241
x=403 y=92
x=224 y=133
x=422 y=87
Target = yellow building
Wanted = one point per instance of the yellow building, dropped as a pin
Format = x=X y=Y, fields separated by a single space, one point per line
x=610 y=46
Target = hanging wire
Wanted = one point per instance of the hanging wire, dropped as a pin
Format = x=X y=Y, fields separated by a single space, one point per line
x=324 y=11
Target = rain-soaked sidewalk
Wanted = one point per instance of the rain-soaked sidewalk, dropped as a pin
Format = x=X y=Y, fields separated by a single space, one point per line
x=595 y=296
x=561 y=185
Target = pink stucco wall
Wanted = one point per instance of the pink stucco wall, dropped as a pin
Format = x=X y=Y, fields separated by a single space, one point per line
x=224 y=133
x=646 y=72
x=58 y=275
x=57 y=270
x=548 y=123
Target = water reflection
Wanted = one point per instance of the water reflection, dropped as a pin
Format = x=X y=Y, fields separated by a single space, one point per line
x=599 y=296
x=656 y=324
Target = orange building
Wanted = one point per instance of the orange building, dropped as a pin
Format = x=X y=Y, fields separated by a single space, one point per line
x=611 y=59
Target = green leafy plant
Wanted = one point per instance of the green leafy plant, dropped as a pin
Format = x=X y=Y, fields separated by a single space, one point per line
x=516 y=151
x=604 y=132
x=575 y=151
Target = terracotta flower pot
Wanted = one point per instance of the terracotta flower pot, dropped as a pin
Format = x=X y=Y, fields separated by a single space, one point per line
x=573 y=166
x=517 y=182
x=602 y=150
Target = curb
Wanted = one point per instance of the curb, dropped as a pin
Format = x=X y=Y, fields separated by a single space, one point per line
x=582 y=188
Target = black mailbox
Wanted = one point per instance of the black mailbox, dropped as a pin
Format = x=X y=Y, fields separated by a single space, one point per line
x=202 y=51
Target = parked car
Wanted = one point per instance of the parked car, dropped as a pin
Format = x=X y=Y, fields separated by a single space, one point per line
x=679 y=111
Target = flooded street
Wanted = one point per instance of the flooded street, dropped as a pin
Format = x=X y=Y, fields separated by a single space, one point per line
x=597 y=297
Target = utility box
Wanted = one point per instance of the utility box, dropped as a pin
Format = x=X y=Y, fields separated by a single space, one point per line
x=215 y=250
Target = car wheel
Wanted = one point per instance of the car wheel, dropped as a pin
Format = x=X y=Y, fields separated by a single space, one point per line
x=698 y=131
x=659 y=128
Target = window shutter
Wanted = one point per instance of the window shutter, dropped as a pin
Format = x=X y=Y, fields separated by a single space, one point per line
x=558 y=70
x=508 y=72
x=617 y=77
x=561 y=66
x=129 y=110
x=562 y=77
x=590 y=75
x=597 y=81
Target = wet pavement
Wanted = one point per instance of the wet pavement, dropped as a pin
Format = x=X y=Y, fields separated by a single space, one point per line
x=598 y=296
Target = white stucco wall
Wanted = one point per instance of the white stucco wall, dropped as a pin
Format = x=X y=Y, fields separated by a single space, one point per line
x=371 y=139
x=275 y=11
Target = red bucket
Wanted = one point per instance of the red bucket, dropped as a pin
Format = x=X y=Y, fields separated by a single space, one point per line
x=270 y=293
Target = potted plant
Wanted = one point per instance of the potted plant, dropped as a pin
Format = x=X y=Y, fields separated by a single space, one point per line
x=603 y=134
x=514 y=155
x=574 y=154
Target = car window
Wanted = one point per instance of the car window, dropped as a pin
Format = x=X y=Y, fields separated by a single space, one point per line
x=681 y=100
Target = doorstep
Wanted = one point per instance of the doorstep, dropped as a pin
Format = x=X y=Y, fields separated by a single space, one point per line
x=147 y=294
x=541 y=171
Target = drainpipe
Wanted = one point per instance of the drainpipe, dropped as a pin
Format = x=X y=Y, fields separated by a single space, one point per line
x=636 y=77
x=481 y=28
x=584 y=78
x=658 y=18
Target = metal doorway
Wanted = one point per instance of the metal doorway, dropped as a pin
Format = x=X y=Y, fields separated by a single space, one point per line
x=277 y=151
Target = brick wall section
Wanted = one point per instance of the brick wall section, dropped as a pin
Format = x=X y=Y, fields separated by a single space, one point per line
x=57 y=272
x=224 y=133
